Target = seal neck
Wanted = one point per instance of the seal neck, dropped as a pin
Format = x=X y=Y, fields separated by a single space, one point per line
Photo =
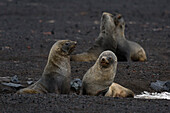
x=57 y=63
x=119 y=32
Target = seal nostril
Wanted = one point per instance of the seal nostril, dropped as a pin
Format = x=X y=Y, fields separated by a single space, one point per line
x=103 y=59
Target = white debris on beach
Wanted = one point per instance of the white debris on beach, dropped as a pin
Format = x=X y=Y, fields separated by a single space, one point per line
x=147 y=95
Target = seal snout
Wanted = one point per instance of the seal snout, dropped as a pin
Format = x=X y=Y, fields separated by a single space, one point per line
x=73 y=44
x=106 y=61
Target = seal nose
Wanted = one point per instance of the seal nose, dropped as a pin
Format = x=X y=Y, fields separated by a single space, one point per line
x=103 y=59
x=74 y=43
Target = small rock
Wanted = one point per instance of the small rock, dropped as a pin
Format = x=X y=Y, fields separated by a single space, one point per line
x=76 y=85
x=29 y=82
x=47 y=33
x=14 y=79
x=83 y=13
x=96 y=22
x=12 y=85
x=132 y=22
x=161 y=86
x=51 y=21
x=5 y=79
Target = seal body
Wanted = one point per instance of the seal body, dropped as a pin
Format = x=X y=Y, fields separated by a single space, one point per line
x=101 y=75
x=105 y=41
x=57 y=72
x=126 y=50
x=116 y=90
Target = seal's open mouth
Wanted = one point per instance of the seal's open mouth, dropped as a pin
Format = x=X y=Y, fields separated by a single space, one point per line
x=104 y=64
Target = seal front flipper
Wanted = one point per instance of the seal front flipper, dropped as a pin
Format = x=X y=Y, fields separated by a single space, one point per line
x=116 y=90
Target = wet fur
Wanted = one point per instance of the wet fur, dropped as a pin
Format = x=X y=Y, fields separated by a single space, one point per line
x=126 y=50
x=56 y=75
x=116 y=90
x=98 y=78
x=105 y=41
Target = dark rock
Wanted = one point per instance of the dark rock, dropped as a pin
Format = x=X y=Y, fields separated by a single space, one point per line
x=76 y=85
x=161 y=86
x=14 y=79
x=12 y=85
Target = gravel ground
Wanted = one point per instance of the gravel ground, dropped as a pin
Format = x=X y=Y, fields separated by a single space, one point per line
x=28 y=29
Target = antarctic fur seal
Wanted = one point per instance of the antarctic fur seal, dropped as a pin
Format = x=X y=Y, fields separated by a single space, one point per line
x=126 y=50
x=101 y=75
x=105 y=41
x=57 y=72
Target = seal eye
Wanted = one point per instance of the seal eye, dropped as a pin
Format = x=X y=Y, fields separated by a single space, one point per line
x=67 y=43
x=109 y=58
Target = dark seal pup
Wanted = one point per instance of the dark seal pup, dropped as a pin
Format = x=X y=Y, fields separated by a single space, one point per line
x=126 y=50
x=57 y=72
x=105 y=41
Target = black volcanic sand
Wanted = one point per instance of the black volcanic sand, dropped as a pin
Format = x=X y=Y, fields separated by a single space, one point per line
x=28 y=29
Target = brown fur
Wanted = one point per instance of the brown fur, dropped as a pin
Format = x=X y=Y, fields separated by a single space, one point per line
x=101 y=75
x=105 y=41
x=116 y=90
x=56 y=75
x=126 y=50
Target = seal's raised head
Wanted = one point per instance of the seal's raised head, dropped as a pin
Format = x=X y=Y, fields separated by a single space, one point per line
x=63 y=47
x=107 y=22
x=107 y=59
